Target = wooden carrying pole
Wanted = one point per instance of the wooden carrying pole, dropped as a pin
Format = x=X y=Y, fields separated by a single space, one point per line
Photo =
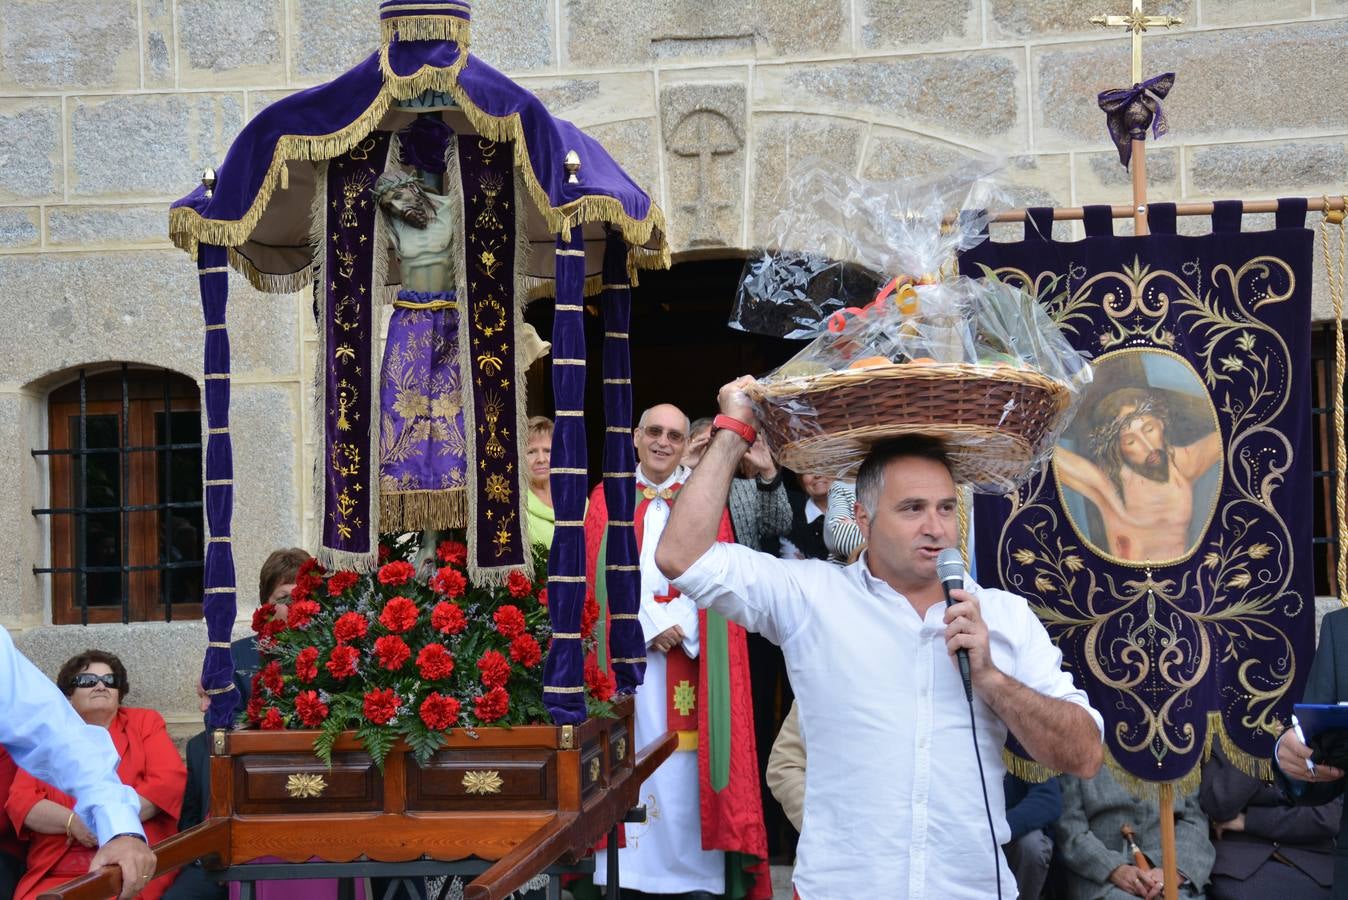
x=1192 y=208
x=1137 y=22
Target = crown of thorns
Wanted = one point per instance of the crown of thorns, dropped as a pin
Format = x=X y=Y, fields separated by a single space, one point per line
x=1105 y=437
x=392 y=181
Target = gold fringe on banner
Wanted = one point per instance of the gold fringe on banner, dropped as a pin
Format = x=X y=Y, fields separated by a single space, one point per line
x=423 y=510
x=1254 y=766
x=267 y=282
x=427 y=28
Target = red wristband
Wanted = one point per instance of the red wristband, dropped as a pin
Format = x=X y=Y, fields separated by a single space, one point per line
x=729 y=423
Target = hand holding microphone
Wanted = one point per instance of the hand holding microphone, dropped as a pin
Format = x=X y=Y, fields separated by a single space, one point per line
x=950 y=570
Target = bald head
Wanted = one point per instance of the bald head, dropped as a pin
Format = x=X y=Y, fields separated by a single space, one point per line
x=660 y=438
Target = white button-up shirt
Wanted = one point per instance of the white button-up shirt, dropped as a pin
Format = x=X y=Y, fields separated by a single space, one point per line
x=893 y=807
x=49 y=740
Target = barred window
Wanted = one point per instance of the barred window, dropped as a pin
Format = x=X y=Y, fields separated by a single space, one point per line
x=124 y=459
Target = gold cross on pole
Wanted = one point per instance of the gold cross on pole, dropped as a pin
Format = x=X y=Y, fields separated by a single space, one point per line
x=1137 y=22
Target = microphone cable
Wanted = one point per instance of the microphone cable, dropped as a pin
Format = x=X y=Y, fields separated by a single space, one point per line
x=949 y=569
x=987 y=804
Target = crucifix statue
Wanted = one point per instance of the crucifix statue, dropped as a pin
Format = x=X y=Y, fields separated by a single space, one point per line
x=1133 y=109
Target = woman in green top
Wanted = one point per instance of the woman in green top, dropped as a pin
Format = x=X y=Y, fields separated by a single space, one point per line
x=538 y=457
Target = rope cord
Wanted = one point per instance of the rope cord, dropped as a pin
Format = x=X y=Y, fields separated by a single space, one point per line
x=1334 y=273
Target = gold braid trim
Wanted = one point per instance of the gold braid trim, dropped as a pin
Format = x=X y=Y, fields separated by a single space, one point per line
x=423 y=510
x=426 y=28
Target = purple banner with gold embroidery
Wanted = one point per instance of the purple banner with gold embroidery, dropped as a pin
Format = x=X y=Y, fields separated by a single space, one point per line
x=1167 y=547
x=348 y=286
x=488 y=326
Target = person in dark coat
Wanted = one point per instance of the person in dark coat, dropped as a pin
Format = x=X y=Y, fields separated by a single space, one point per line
x=1031 y=811
x=1327 y=683
x=194 y=882
x=1266 y=846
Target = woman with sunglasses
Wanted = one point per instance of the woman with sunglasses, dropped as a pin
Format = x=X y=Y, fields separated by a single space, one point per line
x=60 y=846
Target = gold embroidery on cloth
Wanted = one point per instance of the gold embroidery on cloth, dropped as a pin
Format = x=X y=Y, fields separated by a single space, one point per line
x=1164 y=634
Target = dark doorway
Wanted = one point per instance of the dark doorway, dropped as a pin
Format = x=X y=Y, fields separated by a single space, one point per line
x=682 y=348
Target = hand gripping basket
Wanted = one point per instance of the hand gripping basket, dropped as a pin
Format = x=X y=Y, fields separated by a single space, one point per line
x=997 y=421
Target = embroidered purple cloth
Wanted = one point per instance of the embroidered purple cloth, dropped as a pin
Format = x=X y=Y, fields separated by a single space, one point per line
x=489 y=349
x=1168 y=546
x=422 y=452
x=347 y=471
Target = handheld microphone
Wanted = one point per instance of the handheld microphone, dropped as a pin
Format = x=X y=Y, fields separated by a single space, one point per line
x=950 y=569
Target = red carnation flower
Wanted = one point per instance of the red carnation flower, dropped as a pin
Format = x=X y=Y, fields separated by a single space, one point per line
x=543 y=596
x=448 y=618
x=384 y=553
x=272 y=679
x=589 y=616
x=342 y=662
x=308 y=579
x=301 y=613
x=392 y=651
x=399 y=615
x=341 y=581
x=381 y=705
x=272 y=721
x=600 y=683
x=311 y=567
x=435 y=662
x=494 y=669
x=262 y=615
x=449 y=582
x=350 y=627
x=311 y=710
x=254 y=707
x=396 y=573
x=509 y=621
x=492 y=705
x=519 y=584
x=306 y=664
x=452 y=553
x=525 y=651
x=439 y=712
x=270 y=631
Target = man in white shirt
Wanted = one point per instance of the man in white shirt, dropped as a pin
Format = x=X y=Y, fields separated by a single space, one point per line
x=46 y=737
x=893 y=807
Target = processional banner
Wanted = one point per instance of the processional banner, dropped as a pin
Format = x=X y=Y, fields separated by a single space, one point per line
x=1167 y=547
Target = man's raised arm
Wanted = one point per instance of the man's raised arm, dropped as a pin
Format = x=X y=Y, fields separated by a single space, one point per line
x=696 y=516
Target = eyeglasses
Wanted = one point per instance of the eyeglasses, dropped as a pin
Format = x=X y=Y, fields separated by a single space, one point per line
x=655 y=432
x=89 y=679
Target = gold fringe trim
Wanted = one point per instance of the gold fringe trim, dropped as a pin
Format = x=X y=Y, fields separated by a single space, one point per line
x=427 y=78
x=427 y=28
x=423 y=510
x=267 y=282
x=1254 y=766
x=187 y=228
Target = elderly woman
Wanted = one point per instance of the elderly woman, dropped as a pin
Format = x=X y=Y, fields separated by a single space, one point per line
x=60 y=846
x=538 y=457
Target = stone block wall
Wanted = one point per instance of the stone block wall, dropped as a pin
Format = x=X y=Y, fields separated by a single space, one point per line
x=111 y=108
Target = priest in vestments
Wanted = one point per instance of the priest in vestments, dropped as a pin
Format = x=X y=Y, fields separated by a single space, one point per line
x=704 y=836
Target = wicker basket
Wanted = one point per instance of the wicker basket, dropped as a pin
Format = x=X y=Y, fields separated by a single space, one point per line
x=997 y=421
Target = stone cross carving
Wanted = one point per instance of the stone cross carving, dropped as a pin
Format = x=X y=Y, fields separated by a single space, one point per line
x=705 y=134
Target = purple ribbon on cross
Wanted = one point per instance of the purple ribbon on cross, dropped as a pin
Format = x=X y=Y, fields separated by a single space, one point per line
x=1130 y=111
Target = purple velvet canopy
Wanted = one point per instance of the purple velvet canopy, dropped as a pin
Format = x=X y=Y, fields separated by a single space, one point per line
x=581 y=224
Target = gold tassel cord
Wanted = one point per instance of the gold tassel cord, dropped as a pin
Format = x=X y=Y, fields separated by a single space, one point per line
x=1334 y=272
